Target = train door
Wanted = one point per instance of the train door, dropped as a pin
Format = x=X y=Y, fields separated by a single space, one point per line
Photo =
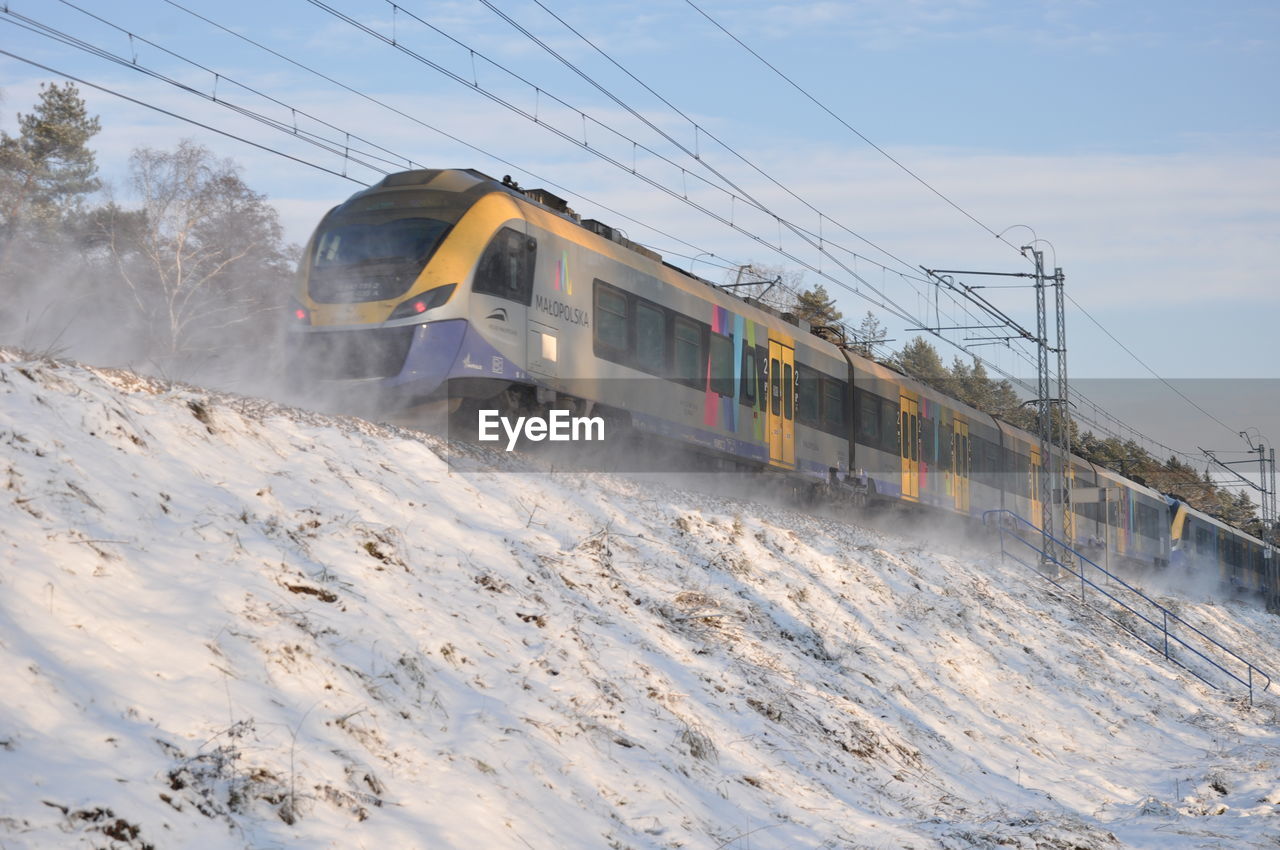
x=960 y=465
x=782 y=400
x=909 y=443
x=1037 y=509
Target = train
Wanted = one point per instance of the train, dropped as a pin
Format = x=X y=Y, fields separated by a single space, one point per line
x=449 y=286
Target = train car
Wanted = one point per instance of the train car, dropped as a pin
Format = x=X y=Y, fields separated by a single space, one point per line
x=450 y=286
x=1205 y=545
x=1118 y=520
x=951 y=456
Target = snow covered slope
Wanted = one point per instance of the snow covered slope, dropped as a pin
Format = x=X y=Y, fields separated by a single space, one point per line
x=228 y=624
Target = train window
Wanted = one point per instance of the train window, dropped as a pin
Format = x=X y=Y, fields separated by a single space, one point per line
x=748 y=389
x=1203 y=546
x=611 y=322
x=833 y=401
x=889 y=439
x=915 y=437
x=986 y=458
x=928 y=452
x=689 y=358
x=721 y=364
x=775 y=385
x=651 y=338
x=506 y=267
x=808 y=402
x=1229 y=552
x=868 y=429
x=904 y=433
x=788 y=391
x=398 y=249
x=1148 y=521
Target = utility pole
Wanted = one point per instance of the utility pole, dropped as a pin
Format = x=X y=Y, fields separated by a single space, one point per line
x=1064 y=414
x=1055 y=456
x=1044 y=404
x=1266 y=486
x=1270 y=556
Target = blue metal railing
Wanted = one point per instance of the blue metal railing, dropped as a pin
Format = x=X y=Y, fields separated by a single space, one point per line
x=1009 y=526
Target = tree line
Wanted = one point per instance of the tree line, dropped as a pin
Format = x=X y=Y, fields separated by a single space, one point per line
x=189 y=273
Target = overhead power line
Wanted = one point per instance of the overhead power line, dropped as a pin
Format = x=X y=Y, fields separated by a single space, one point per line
x=698 y=129
x=334 y=146
x=171 y=114
x=1141 y=362
x=451 y=137
x=849 y=126
x=938 y=193
x=884 y=301
x=339 y=148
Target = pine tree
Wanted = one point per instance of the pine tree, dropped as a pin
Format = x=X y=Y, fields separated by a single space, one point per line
x=920 y=360
x=47 y=169
x=817 y=308
x=870 y=334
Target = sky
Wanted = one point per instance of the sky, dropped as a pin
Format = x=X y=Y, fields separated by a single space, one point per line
x=1136 y=144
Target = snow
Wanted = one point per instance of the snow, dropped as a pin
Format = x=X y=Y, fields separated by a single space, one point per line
x=229 y=623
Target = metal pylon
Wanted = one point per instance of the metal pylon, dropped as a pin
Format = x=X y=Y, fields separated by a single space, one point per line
x=1064 y=413
x=1044 y=405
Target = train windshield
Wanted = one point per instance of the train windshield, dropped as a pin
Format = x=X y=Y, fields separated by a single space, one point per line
x=371 y=260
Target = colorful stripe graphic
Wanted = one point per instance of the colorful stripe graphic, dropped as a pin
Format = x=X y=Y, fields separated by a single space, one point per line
x=562 y=281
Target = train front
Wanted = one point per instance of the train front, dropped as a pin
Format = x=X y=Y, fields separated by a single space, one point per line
x=380 y=317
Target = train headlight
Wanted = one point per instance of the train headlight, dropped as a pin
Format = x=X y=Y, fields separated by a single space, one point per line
x=298 y=314
x=422 y=303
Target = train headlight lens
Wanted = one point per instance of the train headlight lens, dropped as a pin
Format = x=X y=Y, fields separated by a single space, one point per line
x=299 y=314
x=426 y=301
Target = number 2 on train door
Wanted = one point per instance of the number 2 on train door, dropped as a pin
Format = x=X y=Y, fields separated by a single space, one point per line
x=782 y=395
x=909 y=434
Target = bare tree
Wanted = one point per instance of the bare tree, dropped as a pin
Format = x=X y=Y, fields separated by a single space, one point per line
x=206 y=260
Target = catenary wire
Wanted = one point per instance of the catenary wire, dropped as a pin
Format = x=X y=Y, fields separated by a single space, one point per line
x=474 y=85
x=171 y=114
x=1234 y=431
x=331 y=146
x=698 y=128
x=942 y=196
x=849 y=126
x=328 y=145
x=369 y=98
x=885 y=303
